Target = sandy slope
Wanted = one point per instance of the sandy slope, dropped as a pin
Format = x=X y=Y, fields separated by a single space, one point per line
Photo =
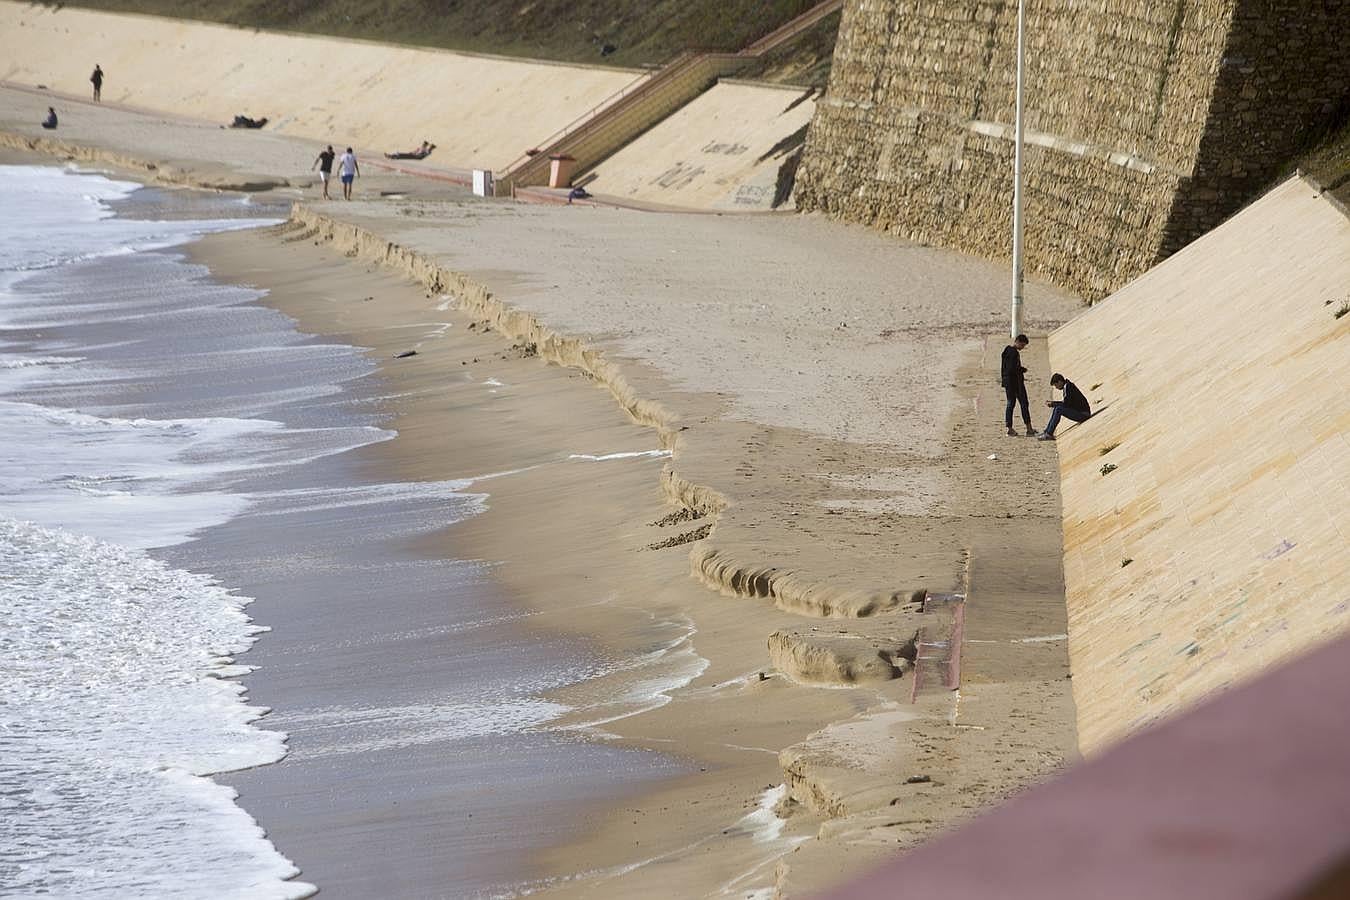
x=377 y=96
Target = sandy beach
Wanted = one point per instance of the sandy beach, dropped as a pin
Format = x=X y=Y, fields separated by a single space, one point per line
x=812 y=428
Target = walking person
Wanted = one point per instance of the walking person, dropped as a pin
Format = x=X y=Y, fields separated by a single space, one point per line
x=97 y=80
x=1073 y=407
x=325 y=163
x=349 y=172
x=1014 y=379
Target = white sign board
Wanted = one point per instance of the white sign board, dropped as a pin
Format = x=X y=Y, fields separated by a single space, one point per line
x=482 y=182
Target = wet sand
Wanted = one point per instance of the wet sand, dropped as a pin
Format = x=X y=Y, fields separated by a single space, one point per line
x=567 y=539
x=405 y=677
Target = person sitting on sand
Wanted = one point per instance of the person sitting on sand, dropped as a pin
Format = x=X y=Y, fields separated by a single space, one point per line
x=246 y=122
x=1073 y=407
x=421 y=152
x=50 y=122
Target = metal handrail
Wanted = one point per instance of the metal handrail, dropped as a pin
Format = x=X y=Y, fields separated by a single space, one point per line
x=649 y=81
x=677 y=68
x=789 y=30
x=638 y=84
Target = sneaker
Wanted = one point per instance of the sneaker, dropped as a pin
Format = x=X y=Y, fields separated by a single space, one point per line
x=1012 y=433
x=1031 y=431
x=1045 y=437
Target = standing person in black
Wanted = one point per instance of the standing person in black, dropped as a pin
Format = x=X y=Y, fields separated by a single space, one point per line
x=1073 y=407
x=1014 y=377
x=97 y=80
x=325 y=164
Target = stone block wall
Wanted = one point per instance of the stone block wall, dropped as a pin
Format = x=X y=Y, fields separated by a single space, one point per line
x=1148 y=122
x=1283 y=78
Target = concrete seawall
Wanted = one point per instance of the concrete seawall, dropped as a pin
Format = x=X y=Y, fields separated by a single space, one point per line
x=1207 y=503
x=480 y=111
x=722 y=151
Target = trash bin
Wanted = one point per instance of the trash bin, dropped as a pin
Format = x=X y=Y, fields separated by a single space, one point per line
x=560 y=171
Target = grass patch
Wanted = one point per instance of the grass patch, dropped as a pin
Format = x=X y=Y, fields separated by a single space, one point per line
x=1108 y=468
x=1108 y=448
x=1341 y=310
x=805 y=61
x=1125 y=562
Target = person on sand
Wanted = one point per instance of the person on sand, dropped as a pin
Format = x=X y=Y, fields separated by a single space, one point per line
x=421 y=152
x=1073 y=407
x=325 y=163
x=1014 y=379
x=349 y=171
x=50 y=122
x=97 y=80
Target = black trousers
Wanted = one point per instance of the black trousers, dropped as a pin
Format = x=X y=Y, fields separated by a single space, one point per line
x=1017 y=393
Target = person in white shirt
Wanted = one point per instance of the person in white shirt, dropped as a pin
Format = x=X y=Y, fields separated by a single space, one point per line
x=348 y=170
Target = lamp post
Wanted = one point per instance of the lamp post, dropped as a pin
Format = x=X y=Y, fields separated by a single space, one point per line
x=1016 y=328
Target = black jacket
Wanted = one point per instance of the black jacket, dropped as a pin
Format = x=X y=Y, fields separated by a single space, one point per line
x=1074 y=399
x=1013 y=370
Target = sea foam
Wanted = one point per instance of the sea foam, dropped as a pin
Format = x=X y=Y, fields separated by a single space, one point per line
x=111 y=715
x=119 y=695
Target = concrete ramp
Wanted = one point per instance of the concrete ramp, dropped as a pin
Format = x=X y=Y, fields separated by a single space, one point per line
x=721 y=151
x=1207 y=504
x=480 y=111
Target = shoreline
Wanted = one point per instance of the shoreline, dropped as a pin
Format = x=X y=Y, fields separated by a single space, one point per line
x=303 y=283
x=523 y=510
x=795 y=477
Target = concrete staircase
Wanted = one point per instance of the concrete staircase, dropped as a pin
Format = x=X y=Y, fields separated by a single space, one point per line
x=618 y=119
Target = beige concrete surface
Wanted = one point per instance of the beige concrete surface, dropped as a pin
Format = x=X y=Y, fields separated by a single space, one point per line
x=722 y=151
x=480 y=111
x=1217 y=547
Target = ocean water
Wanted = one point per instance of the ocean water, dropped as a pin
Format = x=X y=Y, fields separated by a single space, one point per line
x=120 y=691
x=175 y=450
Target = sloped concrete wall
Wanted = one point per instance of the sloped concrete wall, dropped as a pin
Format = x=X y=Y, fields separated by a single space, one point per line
x=1219 y=544
x=1147 y=122
x=480 y=111
x=722 y=151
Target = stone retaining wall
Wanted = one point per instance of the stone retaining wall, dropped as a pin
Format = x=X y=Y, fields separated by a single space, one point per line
x=1147 y=122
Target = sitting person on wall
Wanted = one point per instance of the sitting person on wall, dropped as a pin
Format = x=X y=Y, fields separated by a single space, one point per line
x=421 y=152
x=50 y=122
x=1073 y=407
x=578 y=193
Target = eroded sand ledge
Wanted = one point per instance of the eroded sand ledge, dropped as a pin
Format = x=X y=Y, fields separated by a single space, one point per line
x=845 y=773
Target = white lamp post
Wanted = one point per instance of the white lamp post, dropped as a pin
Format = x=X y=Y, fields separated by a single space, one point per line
x=1017 y=179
